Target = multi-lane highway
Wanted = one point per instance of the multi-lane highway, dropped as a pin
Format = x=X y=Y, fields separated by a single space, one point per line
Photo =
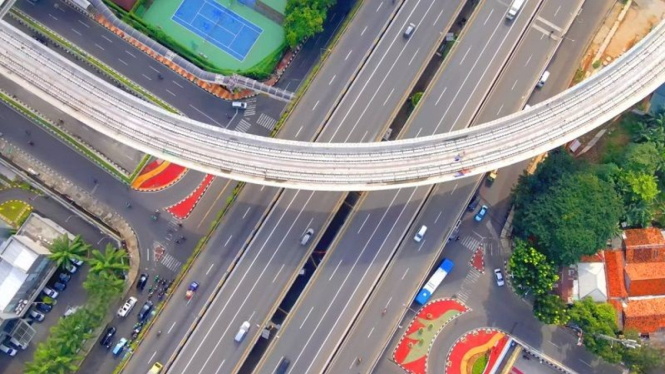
x=315 y=328
x=274 y=256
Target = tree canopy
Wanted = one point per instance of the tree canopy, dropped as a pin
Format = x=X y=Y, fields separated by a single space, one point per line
x=63 y=250
x=550 y=309
x=597 y=320
x=531 y=270
x=304 y=18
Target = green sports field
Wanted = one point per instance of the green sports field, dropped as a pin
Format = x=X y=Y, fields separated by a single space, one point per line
x=271 y=38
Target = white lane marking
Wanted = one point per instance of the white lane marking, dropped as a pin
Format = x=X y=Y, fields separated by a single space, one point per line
x=123 y=62
x=315 y=105
x=277 y=274
x=379 y=7
x=76 y=31
x=419 y=248
x=299 y=130
x=407 y=270
x=247 y=211
x=437 y=18
x=363 y=224
x=557 y=11
x=437 y=217
x=148 y=78
x=171 y=328
x=370 y=332
x=305 y=320
x=418 y=134
x=99 y=46
x=242 y=279
x=365 y=29
x=391 y=92
x=388 y=303
x=464 y=57
x=152 y=357
x=454 y=188
x=334 y=271
x=210 y=268
x=499 y=111
x=52 y=16
x=554 y=345
x=528 y=60
x=331 y=80
x=207 y=116
x=84 y=24
x=107 y=39
x=177 y=84
x=170 y=92
x=364 y=135
x=440 y=96
x=129 y=53
x=220 y=366
x=228 y=240
x=514 y=84
x=153 y=68
x=414 y=56
x=347 y=55
x=586 y=363
x=488 y=17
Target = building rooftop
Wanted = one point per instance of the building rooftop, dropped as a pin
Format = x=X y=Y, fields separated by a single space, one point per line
x=16 y=259
x=591 y=281
x=614 y=273
x=645 y=307
x=643 y=238
x=646 y=271
x=598 y=257
x=42 y=230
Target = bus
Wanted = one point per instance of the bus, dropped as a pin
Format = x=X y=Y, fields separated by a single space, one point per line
x=434 y=281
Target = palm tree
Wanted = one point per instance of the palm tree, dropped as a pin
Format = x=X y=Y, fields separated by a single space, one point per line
x=113 y=261
x=63 y=250
x=103 y=286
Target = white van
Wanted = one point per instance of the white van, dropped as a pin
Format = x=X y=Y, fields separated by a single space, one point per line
x=543 y=79
x=125 y=309
x=240 y=335
x=239 y=105
x=515 y=8
x=420 y=234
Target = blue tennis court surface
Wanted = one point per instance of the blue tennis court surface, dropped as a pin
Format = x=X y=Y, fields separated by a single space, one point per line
x=219 y=26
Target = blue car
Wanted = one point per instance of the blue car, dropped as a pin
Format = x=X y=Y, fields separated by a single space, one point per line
x=59 y=286
x=119 y=347
x=481 y=213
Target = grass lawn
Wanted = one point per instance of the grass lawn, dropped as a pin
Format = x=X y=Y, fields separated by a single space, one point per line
x=15 y=212
x=479 y=365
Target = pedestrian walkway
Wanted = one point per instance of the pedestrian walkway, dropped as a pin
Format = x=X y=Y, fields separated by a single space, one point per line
x=267 y=122
x=251 y=108
x=471 y=277
x=471 y=242
x=243 y=126
x=171 y=262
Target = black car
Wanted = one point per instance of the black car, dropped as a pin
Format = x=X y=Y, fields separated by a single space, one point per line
x=106 y=340
x=44 y=308
x=145 y=310
x=64 y=277
x=59 y=286
x=143 y=279
x=474 y=203
x=281 y=369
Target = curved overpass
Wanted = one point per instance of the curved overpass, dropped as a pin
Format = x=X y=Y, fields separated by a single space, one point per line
x=337 y=166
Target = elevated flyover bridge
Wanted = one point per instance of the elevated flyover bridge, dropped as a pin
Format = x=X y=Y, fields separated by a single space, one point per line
x=334 y=166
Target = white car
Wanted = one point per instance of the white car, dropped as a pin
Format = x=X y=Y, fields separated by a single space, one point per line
x=53 y=294
x=129 y=305
x=71 y=269
x=499 y=277
x=240 y=335
x=35 y=315
x=8 y=350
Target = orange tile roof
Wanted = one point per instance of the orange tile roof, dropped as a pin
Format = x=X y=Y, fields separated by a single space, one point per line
x=598 y=257
x=614 y=273
x=649 y=237
x=645 y=315
x=643 y=271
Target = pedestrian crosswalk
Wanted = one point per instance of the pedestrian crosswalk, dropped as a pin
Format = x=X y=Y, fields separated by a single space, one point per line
x=471 y=277
x=243 y=126
x=171 y=262
x=251 y=108
x=471 y=242
x=267 y=122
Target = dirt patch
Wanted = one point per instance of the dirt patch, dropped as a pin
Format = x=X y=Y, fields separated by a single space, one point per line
x=640 y=18
x=610 y=143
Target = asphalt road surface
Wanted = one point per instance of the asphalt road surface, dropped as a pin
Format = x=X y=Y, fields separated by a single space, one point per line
x=318 y=324
x=252 y=292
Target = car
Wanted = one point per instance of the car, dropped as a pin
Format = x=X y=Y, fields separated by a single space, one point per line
x=481 y=213
x=59 y=286
x=76 y=262
x=127 y=307
x=474 y=203
x=283 y=365
x=156 y=368
x=8 y=350
x=499 y=277
x=119 y=347
x=64 y=277
x=35 y=315
x=307 y=236
x=53 y=294
x=409 y=30
x=242 y=331
x=43 y=307
x=143 y=279
x=71 y=269
x=145 y=310
x=420 y=234
x=106 y=340
x=191 y=290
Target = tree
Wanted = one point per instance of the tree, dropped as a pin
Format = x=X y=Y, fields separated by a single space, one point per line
x=596 y=319
x=63 y=250
x=639 y=186
x=640 y=214
x=550 y=309
x=572 y=218
x=642 y=157
x=304 y=18
x=645 y=359
x=415 y=99
x=112 y=261
x=531 y=270
x=102 y=286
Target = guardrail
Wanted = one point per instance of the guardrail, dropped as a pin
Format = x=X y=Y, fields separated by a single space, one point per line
x=334 y=166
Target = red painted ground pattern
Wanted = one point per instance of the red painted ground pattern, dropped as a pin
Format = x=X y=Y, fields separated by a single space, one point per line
x=468 y=346
x=182 y=209
x=478 y=260
x=164 y=179
x=440 y=312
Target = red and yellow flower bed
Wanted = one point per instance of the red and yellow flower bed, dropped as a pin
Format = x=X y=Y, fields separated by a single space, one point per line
x=473 y=345
x=158 y=175
x=414 y=346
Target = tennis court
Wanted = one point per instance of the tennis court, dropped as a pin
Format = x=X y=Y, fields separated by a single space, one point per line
x=218 y=26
